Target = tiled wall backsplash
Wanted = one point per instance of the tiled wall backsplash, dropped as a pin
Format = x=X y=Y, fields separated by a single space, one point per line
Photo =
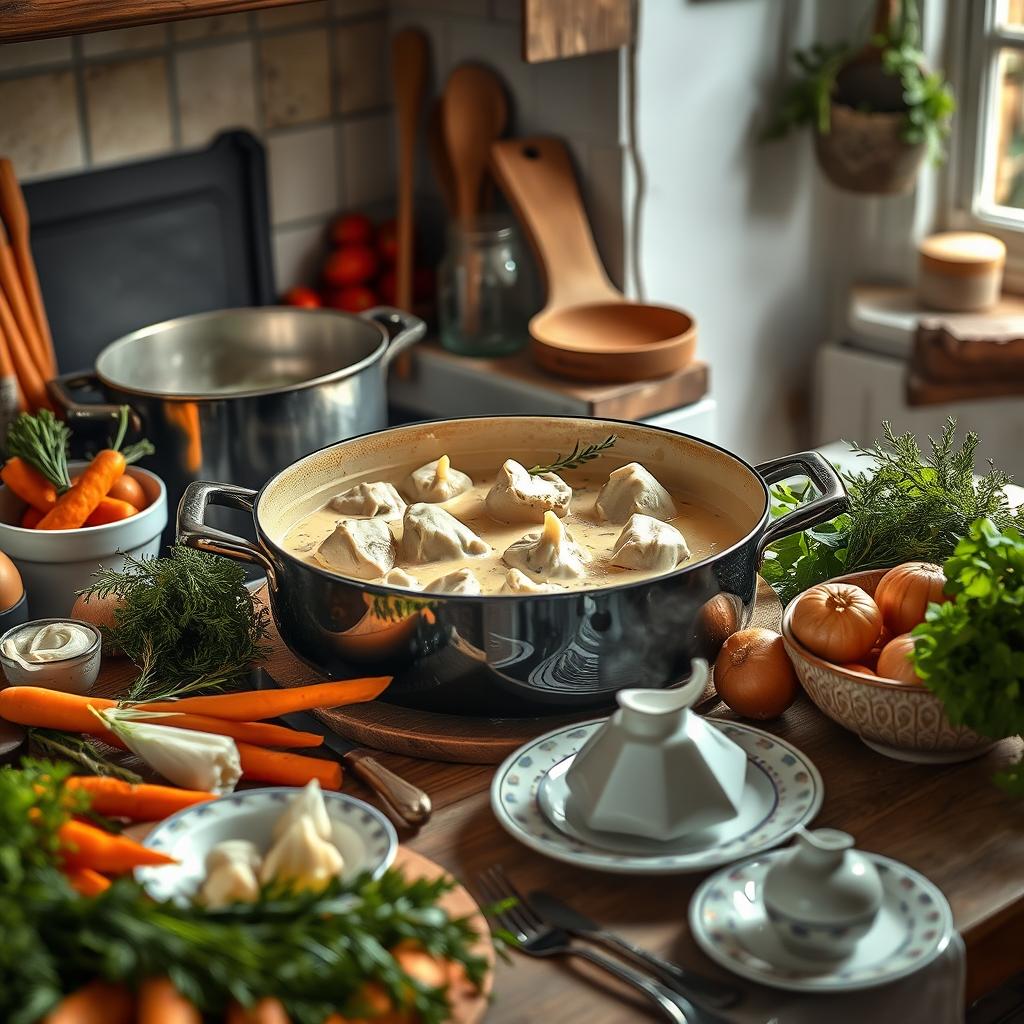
x=313 y=82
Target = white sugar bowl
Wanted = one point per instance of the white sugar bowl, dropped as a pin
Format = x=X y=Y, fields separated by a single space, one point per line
x=822 y=896
x=655 y=769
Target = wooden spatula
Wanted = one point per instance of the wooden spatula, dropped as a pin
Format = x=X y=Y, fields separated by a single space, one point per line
x=475 y=113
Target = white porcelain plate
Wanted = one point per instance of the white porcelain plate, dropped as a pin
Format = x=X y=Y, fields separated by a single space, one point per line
x=729 y=922
x=783 y=791
x=366 y=839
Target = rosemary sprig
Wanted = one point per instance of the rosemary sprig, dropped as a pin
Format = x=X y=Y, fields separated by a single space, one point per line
x=576 y=458
x=42 y=441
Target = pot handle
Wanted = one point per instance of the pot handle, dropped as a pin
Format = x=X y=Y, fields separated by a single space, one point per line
x=403 y=329
x=194 y=533
x=831 y=500
x=61 y=390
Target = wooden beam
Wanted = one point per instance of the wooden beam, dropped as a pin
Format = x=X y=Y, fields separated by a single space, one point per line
x=555 y=29
x=37 y=19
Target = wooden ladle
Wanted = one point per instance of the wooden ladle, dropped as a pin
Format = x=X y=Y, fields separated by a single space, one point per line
x=588 y=330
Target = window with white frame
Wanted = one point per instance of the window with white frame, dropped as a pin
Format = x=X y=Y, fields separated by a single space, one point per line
x=990 y=119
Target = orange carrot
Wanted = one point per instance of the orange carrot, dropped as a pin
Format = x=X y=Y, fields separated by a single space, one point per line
x=161 y=1003
x=87 y=882
x=254 y=705
x=266 y=1011
x=74 y=506
x=98 y=1002
x=283 y=769
x=116 y=798
x=51 y=709
x=85 y=846
x=111 y=510
x=29 y=484
x=30 y=517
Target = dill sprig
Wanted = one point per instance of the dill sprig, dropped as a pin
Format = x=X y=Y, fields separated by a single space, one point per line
x=909 y=506
x=313 y=951
x=576 y=458
x=187 y=622
x=42 y=441
x=78 y=750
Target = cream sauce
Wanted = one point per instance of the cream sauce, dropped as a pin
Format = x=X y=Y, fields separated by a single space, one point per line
x=707 y=531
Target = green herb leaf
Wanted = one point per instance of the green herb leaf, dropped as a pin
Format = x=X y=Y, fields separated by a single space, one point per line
x=576 y=458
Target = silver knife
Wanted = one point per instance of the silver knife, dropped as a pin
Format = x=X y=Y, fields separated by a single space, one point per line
x=404 y=802
x=702 y=990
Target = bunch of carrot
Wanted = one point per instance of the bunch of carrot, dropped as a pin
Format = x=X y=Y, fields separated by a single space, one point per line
x=239 y=715
x=37 y=472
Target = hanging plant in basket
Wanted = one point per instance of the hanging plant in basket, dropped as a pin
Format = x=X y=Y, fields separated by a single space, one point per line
x=876 y=110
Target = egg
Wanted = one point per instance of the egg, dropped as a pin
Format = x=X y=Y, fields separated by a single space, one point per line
x=100 y=612
x=11 y=587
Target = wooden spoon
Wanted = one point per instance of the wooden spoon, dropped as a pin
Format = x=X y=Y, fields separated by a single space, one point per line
x=14 y=213
x=409 y=57
x=588 y=330
x=475 y=113
x=438 y=152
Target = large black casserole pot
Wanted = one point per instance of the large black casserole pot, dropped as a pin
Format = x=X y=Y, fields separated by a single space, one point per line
x=525 y=654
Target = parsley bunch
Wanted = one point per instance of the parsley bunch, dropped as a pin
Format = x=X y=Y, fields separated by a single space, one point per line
x=970 y=651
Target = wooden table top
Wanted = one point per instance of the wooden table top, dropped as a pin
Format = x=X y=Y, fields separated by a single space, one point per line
x=949 y=822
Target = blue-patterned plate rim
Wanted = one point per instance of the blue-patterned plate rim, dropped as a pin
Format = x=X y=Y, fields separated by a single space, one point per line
x=160 y=838
x=937 y=929
x=539 y=835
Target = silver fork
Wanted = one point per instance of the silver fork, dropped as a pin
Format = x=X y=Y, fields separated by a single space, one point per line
x=538 y=939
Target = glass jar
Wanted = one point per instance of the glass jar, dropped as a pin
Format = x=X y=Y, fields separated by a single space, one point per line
x=485 y=292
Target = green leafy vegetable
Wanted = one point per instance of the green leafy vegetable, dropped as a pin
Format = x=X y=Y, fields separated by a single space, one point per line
x=313 y=951
x=970 y=651
x=42 y=442
x=187 y=622
x=907 y=507
x=80 y=751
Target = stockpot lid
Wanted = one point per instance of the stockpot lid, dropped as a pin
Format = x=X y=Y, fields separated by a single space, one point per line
x=238 y=353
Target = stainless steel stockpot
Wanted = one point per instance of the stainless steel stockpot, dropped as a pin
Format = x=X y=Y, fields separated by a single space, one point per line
x=513 y=654
x=238 y=394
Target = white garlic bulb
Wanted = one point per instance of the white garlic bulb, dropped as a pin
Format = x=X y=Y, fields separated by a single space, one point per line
x=302 y=858
x=233 y=881
x=309 y=803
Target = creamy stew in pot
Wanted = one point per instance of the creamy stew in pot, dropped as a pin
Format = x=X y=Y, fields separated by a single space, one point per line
x=443 y=528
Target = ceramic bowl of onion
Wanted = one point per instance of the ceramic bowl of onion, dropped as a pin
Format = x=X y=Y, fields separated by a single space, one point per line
x=849 y=641
x=228 y=850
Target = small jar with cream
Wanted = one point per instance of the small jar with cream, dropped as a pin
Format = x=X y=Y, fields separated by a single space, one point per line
x=960 y=271
x=58 y=654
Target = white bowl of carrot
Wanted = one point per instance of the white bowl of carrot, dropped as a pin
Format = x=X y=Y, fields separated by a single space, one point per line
x=55 y=564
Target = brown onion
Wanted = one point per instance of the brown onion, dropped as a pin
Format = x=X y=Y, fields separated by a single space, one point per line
x=894 y=661
x=753 y=674
x=837 y=621
x=863 y=670
x=904 y=593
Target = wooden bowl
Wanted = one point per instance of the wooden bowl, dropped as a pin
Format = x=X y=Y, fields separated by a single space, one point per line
x=902 y=721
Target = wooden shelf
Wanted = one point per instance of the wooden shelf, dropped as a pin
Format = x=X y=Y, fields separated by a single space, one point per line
x=36 y=19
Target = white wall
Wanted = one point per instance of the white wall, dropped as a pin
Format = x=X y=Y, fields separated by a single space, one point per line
x=745 y=236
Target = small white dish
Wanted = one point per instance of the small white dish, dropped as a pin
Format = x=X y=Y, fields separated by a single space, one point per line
x=69 y=675
x=189 y=835
x=822 y=895
x=729 y=922
x=783 y=791
x=625 y=777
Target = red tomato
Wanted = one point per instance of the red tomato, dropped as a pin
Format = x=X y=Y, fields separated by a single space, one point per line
x=387 y=287
x=301 y=296
x=387 y=242
x=352 y=229
x=352 y=264
x=353 y=299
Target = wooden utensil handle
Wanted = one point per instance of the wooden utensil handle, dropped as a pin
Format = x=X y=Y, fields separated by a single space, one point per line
x=409 y=802
x=537 y=178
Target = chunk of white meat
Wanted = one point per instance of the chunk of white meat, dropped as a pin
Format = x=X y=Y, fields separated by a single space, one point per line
x=517 y=582
x=462 y=581
x=430 y=534
x=632 y=489
x=519 y=497
x=649 y=545
x=364 y=548
x=549 y=553
x=436 y=481
x=369 y=499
